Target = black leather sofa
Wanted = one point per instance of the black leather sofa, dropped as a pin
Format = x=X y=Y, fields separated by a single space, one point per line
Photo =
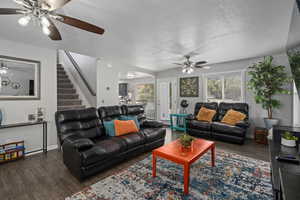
x=87 y=149
x=216 y=129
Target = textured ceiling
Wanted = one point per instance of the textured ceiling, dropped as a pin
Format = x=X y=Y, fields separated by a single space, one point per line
x=152 y=34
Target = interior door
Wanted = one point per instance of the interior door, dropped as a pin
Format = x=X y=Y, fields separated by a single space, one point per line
x=164 y=100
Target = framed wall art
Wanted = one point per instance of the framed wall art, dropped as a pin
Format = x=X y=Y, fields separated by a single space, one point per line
x=189 y=87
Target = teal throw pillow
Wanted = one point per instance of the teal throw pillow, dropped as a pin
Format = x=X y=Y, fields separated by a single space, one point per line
x=109 y=128
x=134 y=118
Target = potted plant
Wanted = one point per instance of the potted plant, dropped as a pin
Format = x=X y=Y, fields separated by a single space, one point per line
x=266 y=81
x=186 y=142
x=288 y=139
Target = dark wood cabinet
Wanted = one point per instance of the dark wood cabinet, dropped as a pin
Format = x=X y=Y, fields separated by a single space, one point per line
x=285 y=176
x=261 y=135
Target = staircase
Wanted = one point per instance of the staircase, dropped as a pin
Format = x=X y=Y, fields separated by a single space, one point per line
x=67 y=98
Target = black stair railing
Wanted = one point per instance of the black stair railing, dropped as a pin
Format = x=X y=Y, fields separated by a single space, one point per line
x=76 y=66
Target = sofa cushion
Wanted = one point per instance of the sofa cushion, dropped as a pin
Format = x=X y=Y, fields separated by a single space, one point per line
x=240 y=107
x=129 y=117
x=153 y=134
x=134 y=110
x=206 y=114
x=227 y=129
x=232 y=117
x=109 y=128
x=208 y=105
x=83 y=122
x=125 y=127
x=202 y=125
x=103 y=149
x=133 y=139
x=108 y=113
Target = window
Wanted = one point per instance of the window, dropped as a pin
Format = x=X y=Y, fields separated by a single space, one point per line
x=224 y=87
x=145 y=93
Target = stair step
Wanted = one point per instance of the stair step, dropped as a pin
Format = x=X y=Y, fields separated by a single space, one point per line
x=64 y=81
x=62 y=76
x=72 y=102
x=62 y=86
x=67 y=96
x=60 y=108
x=61 y=73
x=66 y=91
x=59 y=79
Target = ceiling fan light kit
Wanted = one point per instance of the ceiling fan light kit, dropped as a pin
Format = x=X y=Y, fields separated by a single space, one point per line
x=43 y=12
x=3 y=69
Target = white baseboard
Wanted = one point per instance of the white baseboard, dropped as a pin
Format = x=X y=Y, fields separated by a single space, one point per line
x=52 y=147
x=49 y=148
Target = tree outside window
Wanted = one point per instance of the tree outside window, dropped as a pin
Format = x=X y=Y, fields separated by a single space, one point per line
x=224 y=87
x=145 y=93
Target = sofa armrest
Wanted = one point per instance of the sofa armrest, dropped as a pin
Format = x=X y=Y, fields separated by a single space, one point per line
x=79 y=143
x=243 y=124
x=151 y=124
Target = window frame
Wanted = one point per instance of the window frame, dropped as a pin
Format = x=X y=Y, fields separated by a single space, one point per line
x=242 y=73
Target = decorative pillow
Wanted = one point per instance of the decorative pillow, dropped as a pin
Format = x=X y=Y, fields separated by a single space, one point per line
x=232 y=117
x=205 y=114
x=134 y=118
x=109 y=128
x=125 y=127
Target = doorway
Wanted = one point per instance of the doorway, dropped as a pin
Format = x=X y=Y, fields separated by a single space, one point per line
x=166 y=98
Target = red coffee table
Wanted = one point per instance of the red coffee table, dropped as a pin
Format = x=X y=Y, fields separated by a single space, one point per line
x=173 y=152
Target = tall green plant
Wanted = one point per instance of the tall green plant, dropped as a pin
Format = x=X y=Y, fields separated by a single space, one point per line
x=267 y=80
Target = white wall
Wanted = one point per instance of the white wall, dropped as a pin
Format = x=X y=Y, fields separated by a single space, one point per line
x=256 y=111
x=17 y=111
x=108 y=81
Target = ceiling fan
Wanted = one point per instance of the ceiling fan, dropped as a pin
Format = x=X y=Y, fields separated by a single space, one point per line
x=43 y=12
x=188 y=66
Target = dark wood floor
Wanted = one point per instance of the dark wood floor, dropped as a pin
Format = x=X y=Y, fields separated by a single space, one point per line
x=45 y=177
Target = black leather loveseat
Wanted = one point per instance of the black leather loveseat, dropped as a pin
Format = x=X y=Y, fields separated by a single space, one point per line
x=216 y=129
x=87 y=149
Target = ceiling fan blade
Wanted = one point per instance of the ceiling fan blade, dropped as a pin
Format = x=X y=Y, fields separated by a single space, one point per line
x=178 y=64
x=53 y=4
x=200 y=63
x=54 y=33
x=11 y=11
x=80 y=24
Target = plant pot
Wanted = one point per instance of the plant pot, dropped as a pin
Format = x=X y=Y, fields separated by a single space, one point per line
x=186 y=149
x=288 y=143
x=271 y=122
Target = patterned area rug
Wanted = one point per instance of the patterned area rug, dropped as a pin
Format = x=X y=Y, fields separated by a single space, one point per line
x=235 y=177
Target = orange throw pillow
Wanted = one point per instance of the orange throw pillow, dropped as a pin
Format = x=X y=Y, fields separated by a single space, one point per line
x=124 y=127
x=205 y=114
x=232 y=117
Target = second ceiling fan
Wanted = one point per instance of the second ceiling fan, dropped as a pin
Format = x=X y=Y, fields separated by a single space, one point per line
x=44 y=11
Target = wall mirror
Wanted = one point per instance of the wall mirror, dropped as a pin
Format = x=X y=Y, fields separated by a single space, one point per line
x=19 y=79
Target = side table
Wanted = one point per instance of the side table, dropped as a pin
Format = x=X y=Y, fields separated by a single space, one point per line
x=261 y=135
x=176 y=127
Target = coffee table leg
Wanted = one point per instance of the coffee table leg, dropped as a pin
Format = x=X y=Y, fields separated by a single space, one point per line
x=153 y=165
x=213 y=155
x=186 y=178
